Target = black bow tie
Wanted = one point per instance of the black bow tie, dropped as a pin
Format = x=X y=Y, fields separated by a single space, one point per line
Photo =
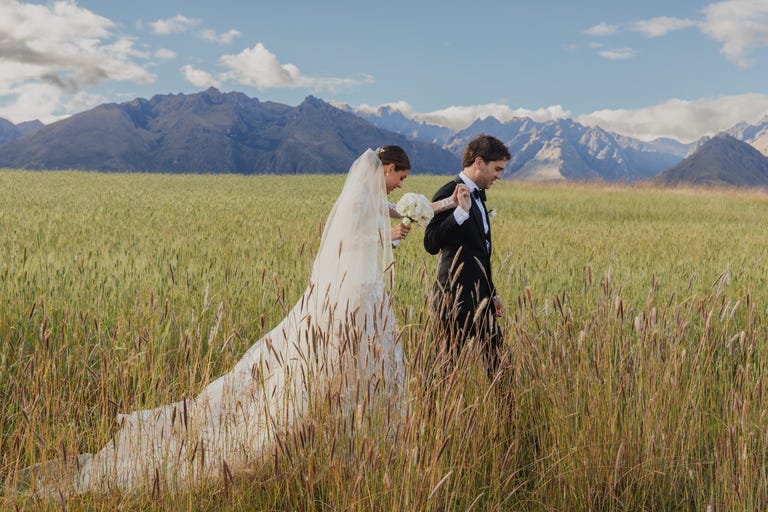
x=477 y=193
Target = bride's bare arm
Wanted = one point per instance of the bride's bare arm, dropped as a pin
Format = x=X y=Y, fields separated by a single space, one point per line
x=438 y=206
x=449 y=202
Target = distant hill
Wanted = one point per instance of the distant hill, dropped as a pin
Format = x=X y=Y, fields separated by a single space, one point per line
x=10 y=131
x=28 y=127
x=212 y=132
x=720 y=160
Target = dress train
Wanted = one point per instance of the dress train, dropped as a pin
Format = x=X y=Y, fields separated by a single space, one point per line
x=341 y=329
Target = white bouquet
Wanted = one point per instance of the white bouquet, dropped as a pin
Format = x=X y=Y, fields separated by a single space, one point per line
x=415 y=208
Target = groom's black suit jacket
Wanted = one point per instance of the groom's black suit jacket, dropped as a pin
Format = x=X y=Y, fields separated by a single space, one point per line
x=464 y=277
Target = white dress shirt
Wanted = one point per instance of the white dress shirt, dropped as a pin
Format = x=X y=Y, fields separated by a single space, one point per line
x=460 y=214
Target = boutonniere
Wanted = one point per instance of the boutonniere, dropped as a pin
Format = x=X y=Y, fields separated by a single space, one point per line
x=491 y=213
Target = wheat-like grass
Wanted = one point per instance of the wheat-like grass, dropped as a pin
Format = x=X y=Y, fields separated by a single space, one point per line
x=631 y=379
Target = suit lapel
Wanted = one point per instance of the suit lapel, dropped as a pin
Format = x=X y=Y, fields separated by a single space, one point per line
x=490 y=241
x=478 y=217
x=481 y=228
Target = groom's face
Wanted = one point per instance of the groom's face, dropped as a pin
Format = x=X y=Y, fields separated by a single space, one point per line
x=488 y=172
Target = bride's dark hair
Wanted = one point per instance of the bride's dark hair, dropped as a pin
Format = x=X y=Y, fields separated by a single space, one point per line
x=394 y=155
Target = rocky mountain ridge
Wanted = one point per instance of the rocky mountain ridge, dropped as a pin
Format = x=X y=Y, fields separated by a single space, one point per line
x=212 y=132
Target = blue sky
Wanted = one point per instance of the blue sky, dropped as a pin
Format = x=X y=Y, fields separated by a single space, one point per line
x=646 y=69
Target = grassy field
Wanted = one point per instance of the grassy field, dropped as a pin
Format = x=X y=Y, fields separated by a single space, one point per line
x=636 y=343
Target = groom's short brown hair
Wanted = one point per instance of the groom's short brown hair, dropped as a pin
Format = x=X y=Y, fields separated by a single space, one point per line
x=487 y=147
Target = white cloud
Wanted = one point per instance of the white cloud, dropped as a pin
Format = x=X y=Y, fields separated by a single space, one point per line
x=175 y=25
x=33 y=101
x=182 y=24
x=223 y=38
x=165 y=54
x=618 y=53
x=62 y=20
x=199 y=78
x=59 y=46
x=39 y=100
x=602 y=29
x=684 y=120
x=398 y=106
x=661 y=26
x=258 y=67
x=740 y=25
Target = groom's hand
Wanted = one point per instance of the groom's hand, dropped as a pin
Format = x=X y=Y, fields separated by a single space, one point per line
x=498 y=305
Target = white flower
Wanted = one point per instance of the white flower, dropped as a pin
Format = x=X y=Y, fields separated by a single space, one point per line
x=491 y=213
x=415 y=208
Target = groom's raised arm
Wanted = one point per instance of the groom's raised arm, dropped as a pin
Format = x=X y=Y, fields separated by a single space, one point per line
x=441 y=229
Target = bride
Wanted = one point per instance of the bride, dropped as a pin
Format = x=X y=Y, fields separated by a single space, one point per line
x=341 y=329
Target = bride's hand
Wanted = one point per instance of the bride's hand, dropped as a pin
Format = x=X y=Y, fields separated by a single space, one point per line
x=463 y=198
x=455 y=196
x=400 y=231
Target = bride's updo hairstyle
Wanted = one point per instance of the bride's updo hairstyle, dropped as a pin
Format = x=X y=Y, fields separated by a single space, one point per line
x=394 y=155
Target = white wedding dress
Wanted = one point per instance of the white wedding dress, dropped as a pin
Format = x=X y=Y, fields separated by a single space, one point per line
x=341 y=330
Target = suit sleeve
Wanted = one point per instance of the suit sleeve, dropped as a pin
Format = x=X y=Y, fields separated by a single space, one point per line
x=442 y=228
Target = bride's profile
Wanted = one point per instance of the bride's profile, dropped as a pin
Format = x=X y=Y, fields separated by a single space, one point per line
x=342 y=325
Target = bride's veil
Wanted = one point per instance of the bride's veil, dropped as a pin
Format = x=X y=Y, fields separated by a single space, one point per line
x=342 y=324
x=356 y=240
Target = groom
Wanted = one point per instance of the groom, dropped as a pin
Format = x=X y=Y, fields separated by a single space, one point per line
x=465 y=298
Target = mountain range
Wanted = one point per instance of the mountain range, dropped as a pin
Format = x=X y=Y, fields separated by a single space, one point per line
x=215 y=132
x=552 y=150
x=212 y=132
